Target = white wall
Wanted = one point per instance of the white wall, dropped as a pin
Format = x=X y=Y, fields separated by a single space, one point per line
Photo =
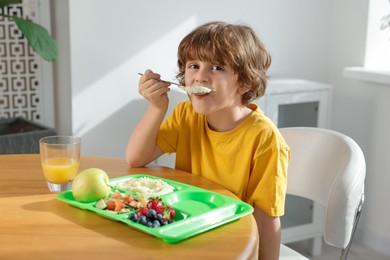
x=110 y=43
x=105 y=43
x=361 y=110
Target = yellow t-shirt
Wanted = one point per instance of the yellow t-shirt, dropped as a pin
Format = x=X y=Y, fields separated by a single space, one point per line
x=251 y=160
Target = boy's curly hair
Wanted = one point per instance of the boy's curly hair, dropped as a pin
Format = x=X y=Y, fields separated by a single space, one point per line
x=237 y=46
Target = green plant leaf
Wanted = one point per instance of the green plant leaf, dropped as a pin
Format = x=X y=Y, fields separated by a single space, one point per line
x=9 y=2
x=38 y=38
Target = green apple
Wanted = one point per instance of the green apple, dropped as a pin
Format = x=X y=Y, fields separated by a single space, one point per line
x=91 y=185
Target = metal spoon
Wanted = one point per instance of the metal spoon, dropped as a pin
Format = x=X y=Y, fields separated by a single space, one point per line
x=166 y=81
x=196 y=90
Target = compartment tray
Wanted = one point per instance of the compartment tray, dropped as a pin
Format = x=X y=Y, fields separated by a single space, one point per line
x=197 y=210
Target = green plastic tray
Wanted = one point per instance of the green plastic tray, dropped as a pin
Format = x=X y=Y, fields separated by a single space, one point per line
x=197 y=210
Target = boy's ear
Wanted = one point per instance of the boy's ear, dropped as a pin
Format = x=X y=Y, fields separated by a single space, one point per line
x=243 y=89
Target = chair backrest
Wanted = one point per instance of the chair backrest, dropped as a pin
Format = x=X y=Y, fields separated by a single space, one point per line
x=327 y=167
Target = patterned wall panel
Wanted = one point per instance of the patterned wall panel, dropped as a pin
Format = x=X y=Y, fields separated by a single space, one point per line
x=20 y=67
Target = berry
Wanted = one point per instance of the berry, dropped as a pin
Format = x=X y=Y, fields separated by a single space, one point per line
x=149 y=224
x=151 y=214
x=142 y=212
x=157 y=205
x=169 y=212
x=159 y=217
x=133 y=216
x=143 y=220
x=155 y=224
x=154 y=215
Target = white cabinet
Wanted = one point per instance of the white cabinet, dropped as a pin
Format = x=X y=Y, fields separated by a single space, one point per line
x=295 y=102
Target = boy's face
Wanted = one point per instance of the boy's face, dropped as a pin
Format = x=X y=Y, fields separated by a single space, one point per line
x=227 y=94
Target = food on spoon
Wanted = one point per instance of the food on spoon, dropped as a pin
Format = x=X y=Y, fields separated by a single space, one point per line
x=146 y=187
x=91 y=185
x=197 y=90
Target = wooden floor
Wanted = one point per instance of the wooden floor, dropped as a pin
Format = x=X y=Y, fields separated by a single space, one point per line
x=357 y=252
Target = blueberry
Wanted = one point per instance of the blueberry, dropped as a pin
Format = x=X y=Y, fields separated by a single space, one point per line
x=149 y=224
x=133 y=216
x=142 y=220
x=151 y=214
x=156 y=224
x=159 y=217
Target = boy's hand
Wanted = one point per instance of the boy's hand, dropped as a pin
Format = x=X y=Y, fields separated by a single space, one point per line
x=154 y=90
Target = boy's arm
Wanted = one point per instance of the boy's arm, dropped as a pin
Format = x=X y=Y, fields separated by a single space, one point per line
x=142 y=148
x=269 y=235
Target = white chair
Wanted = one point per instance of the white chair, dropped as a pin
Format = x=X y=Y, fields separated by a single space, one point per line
x=329 y=168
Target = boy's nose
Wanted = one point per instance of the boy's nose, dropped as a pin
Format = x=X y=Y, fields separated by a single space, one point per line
x=202 y=76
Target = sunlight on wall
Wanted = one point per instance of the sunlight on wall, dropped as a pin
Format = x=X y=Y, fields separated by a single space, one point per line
x=378 y=40
x=115 y=89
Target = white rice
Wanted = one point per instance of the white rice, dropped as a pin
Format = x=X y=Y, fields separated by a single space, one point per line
x=197 y=90
x=146 y=187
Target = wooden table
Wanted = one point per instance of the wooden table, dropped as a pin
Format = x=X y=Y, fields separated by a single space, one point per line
x=35 y=225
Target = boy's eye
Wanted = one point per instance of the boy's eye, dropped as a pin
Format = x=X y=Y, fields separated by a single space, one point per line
x=193 y=66
x=217 y=67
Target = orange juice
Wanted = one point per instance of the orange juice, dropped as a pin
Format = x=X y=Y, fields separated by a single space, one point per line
x=60 y=170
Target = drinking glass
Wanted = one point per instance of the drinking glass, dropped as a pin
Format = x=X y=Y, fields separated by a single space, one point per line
x=60 y=159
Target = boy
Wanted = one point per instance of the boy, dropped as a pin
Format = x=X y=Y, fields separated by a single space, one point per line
x=221 y=135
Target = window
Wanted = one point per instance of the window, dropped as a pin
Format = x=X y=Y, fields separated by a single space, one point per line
x=378 y=36
x=377 y=56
